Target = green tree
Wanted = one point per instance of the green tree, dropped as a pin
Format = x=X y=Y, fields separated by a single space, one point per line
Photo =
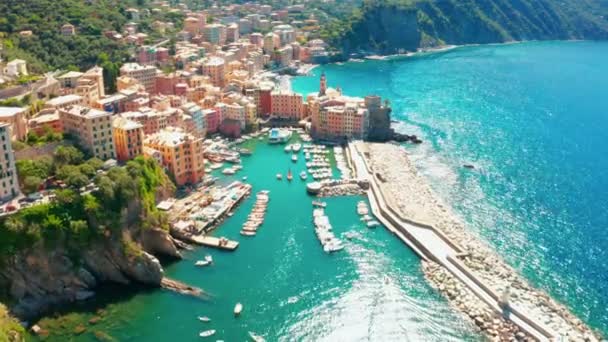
x=31 y=184
x=68 y=155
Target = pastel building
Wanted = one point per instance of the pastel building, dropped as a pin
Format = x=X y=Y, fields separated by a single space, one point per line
x=144 y=74
x=65 y=101
x=182 y=154
x=341 y=122
x=215 y=34
x=212 y=120
x=196 y=113
x=15 y=117
x=9 y=185
x=128 y=138
x=43 y=122
x=92 y=128
x=215 y=69
x=232 y=111
x=287 y=105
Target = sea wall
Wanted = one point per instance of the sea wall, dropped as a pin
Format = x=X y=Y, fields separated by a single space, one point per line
x=412 y=199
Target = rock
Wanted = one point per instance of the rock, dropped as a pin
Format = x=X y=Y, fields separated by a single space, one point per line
x=158 y=241
x=84 y=295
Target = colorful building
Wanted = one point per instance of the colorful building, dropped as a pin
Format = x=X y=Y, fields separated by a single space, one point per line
x=145 y=75
x=9 y=185
x=182 y=154
x=92 y=128
x=128 y=138
x=15 y=117
x=287 y=105
x=215 y=69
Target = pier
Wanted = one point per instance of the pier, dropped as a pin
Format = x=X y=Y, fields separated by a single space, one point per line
x=215 y=242
x=431 y=244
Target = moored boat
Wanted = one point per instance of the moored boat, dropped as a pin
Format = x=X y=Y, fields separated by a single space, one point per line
x=294 y=158
x=256 y=338
x=238 y=308
x=303 y=175
x=202 y=263
x=204 y=319
x=207 y=333
x=296 y=148
x=289 y=175
x=373 y=224
x=279 y=176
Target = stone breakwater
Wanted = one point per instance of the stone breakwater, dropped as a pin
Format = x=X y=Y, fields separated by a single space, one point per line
x=415 y=200
x=346 y=187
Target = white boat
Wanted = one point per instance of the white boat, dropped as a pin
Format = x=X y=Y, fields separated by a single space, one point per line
x=277 y=135
x=245 y=178
x=296 y=147
x=279 y=176
x=202 y=263
x=204 y=319
x=294 y=158
x=256 y=338
x=373 y=224
x=207 y=333
x=288 y=148
x=238 y=308
x=208 y=258
x=349 y=235
x=303 y=175
x=307 y=156
x=247 y=233
x=228 y=171
x=366 y=218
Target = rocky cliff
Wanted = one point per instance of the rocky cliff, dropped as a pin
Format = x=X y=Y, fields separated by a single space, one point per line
x=396 y=25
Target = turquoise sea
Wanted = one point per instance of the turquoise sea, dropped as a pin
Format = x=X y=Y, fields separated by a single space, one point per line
x=533 y=119
x=290 y=289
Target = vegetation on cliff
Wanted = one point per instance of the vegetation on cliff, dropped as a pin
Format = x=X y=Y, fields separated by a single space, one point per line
x=75 y=218
x=387 y=26
x=10 y=329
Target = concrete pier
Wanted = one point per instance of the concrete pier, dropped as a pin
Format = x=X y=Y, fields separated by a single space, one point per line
x=431 y=244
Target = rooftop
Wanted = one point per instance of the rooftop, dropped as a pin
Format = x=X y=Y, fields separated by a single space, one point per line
x=11 y=111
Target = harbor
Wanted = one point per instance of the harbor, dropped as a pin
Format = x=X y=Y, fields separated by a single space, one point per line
x=290 y=288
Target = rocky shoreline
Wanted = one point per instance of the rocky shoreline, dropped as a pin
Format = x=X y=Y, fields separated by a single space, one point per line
x=417 y=202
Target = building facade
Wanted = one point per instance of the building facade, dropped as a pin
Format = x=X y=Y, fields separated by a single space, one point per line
x=92 y=128
x=9 y=185
x=128 y=138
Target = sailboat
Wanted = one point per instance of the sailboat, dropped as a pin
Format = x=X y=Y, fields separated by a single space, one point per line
x=289 y=175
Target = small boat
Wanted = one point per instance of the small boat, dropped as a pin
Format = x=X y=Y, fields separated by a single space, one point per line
x=296 y=147
x=289 y=176
x=208 y=258
x=245 y=178
x=202 y=263
x=303 y=175
x=279 y=176
x=307 y=156
x=294 y=158
x=469 y=166
x=366 y=218
x=373 y=224
x=204 y=319
x=228 y=171
x=247 y=232
x=207 y=333
x=349 y=235
x=238 y=308
x=288 y=148
x=256 y=338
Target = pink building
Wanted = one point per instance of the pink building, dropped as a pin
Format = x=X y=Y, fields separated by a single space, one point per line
x=212 y=118
x=287 y=105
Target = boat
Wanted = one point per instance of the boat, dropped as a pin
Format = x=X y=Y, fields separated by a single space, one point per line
x=216 y=166
x=294 y=158
x=247 y=232
x=296 y=147
x=279 y=176
x=469 y=166
x=289 y=175
x=228 y=171
x=319 y=204
x=207 y=333
x=349 y=235
x=307 y=156
x=208 y=258
x=238 y=308
x=277 y=135
x=245 y=178
x=233 y=159
x=202 y=263
x=366 y=218
x=204 y=319
x=373 y=224
x=288 y=148
x=256 y=338
x=303 y=175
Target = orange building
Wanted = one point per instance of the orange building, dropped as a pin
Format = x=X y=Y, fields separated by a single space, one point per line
x=128 y=138
x=45 y=121
x=286 y=105
x=182 y=154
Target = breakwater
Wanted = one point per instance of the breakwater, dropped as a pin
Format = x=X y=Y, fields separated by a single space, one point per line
x=477 y=279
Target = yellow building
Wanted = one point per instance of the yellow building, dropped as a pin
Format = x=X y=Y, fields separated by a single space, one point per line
x=182 y=154
x=92 y=127
x=128 y=138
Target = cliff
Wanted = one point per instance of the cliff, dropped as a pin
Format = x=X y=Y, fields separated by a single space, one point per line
x=48 y=260
x=391 y=26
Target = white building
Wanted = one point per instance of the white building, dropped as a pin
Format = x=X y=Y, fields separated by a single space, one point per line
x=9 y=185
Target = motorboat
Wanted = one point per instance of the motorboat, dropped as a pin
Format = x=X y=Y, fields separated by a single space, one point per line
x=204 y=319
x=247 y=232
x=303 y=175
x=238 y=308
x=245 y=178
x=373 y=224
x=207 y=333
x=289 y=176
x=288 y=148
x=277 y=135
x=294 y=158
x=202 y=263
x=256 y=338
x=296 y=147
x=366 y=218
x=307 y=156
x=208 y=258
x=279 y=176
x=216 y=166
x=228 y=171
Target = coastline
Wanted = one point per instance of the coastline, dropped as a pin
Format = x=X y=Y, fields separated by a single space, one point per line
x=414 y=199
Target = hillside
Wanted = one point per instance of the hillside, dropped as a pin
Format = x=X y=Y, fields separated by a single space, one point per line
x=387 y=26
